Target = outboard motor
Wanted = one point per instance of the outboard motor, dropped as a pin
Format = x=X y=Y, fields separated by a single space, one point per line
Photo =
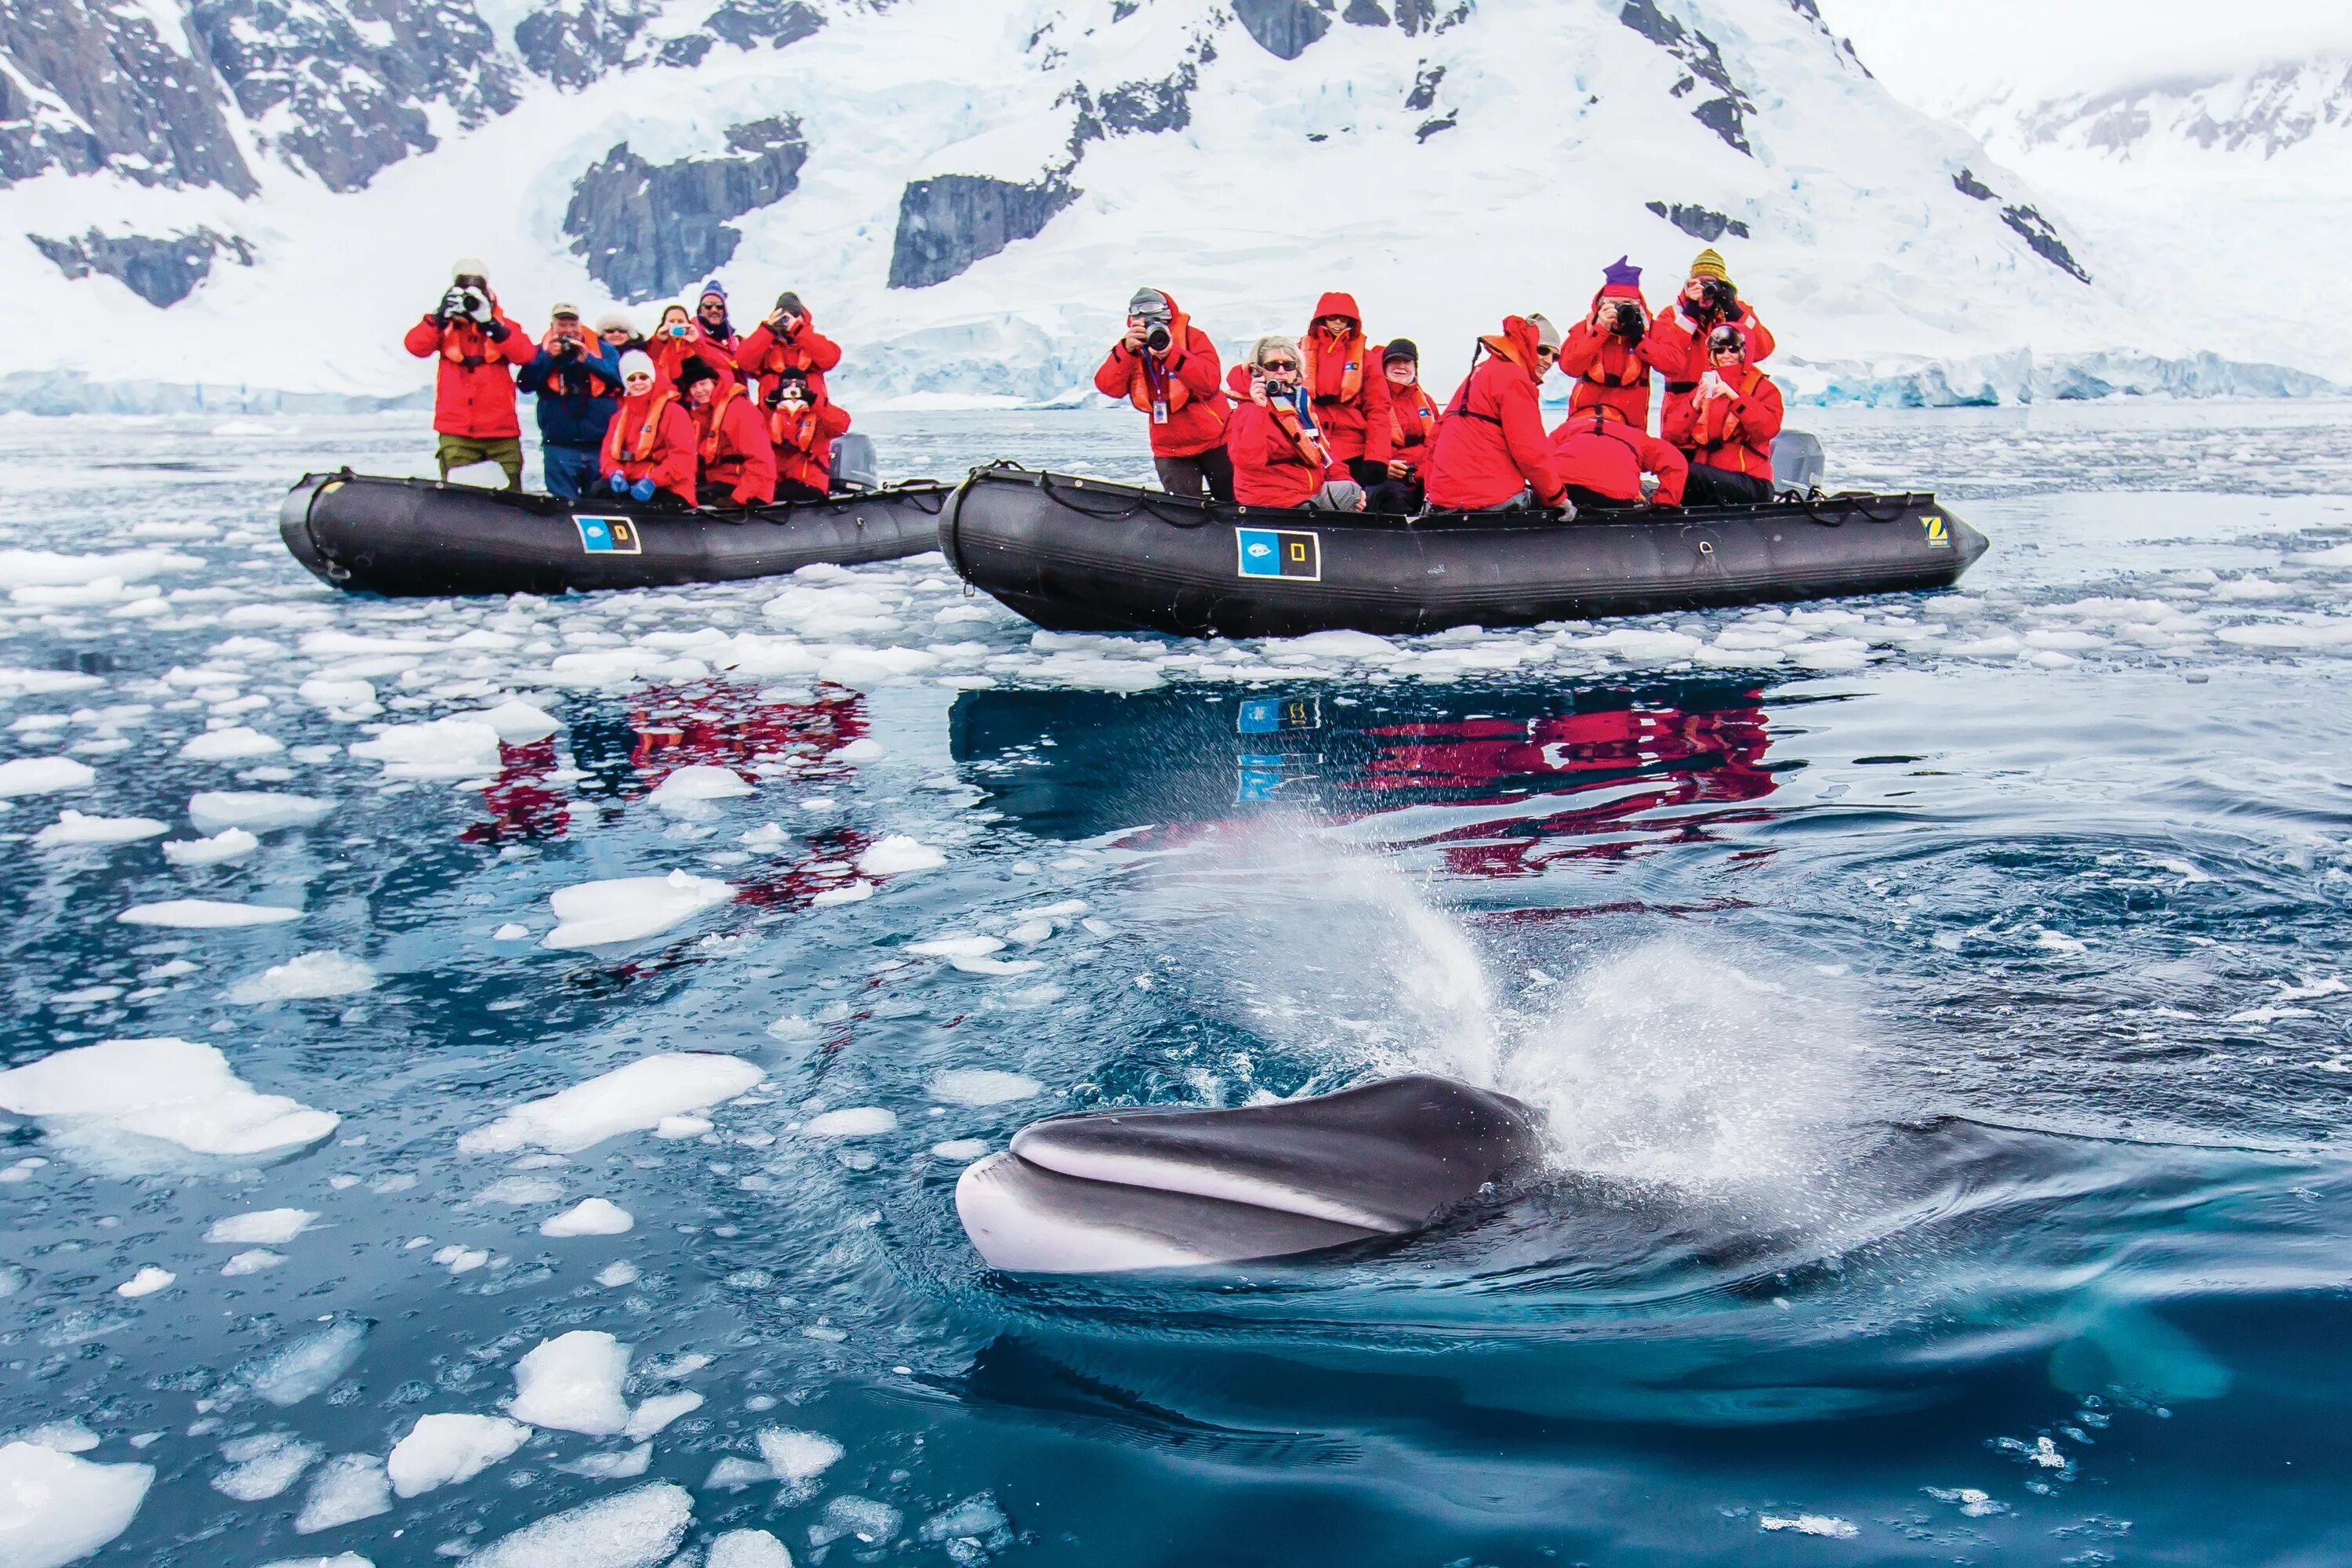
x=1797 y=462
x=854 y=468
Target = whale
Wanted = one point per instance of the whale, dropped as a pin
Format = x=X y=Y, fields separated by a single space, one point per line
x=1114 y=1191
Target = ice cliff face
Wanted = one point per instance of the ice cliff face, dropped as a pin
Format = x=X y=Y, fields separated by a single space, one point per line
x=966 y=194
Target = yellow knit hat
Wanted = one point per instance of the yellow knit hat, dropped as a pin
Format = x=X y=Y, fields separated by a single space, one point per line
x=1708 y=264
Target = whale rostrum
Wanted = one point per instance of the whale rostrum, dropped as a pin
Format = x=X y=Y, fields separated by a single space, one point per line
x=1111 y=1191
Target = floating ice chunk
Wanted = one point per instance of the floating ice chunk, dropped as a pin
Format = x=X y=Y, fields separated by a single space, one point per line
x=310 y=977
x=343 y=697
x=856 y=1122
x=629 y=1099
x=254 y=810
x=443 y=1450
x=229 y=844
x=461 y=1260
x=56 y=1508
x=43 y=775
x=146 y=1282
x=964 y=1151
x=347 y=1488
x=140 y=1106
x=767 y=835
x=615 y=1275
x=255 y=1261
x=73 y=827
x=976 y=1518
x=1637 y=646
x=864 y=1518
x=797 y=1458
x=623 y=1465
x=573 y=1382
x=518 y=723
x=865 y=749
x=340 y=1560
x=2268 y=634
x=590 y=1217
x=855 y=893
x=511 y=931
x=983 y=1085
x=264 y=1465
x=629 y=909
x=206 y=914
x=997 y=965
x=636 y=1530
x=652 y=1414
x=48 y=569
x=65 y=1436
x=895 y=855
x=749 y=1549
x=520 y=1192
x=1826 y=1524
x=437 y=749
x=681 y=1127
x=309 y=1366
x=233 y=744
x=689 y=791
x=956 y=946
x=265 y=1228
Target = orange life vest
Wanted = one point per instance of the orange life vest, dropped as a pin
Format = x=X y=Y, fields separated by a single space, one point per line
x=1351 y=371
x=796 y=432
x=648 y=432
x=1714 y=422
x=465 y=342
x=1309 y=446
x=718 y=419
x=1138 y=383
x=1631 y=371
x=1424 y=418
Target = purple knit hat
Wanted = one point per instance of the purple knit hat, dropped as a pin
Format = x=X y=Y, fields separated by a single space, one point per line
x=1621 y=280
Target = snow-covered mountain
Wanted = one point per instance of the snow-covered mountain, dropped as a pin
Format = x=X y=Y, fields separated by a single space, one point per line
x=268 y=192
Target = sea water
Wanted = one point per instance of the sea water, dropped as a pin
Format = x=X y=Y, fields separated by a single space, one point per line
x=486 y=1078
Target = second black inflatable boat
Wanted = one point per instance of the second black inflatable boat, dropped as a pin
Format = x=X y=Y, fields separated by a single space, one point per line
x=405 y=537
x=1077 y=555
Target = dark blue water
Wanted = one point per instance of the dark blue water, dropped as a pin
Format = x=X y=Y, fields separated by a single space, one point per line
x=1939 y=1007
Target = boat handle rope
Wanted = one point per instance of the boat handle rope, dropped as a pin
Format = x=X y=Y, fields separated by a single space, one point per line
x=1140 y=503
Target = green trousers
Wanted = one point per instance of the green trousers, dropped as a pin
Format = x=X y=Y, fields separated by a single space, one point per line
x=463 y=451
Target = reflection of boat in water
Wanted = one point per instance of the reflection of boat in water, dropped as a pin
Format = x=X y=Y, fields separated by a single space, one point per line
x=1076 y=555
x=1497 y=786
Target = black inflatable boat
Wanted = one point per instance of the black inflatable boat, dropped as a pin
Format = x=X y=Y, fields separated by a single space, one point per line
x=1076 y=555
x=404 y=537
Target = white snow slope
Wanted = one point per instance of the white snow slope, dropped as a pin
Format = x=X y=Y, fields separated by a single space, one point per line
x=1442 y=201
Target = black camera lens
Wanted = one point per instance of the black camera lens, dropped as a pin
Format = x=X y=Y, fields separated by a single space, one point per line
x=1159 y=338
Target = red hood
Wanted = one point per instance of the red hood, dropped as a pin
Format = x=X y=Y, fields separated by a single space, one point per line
x=1516 y=343
x=1338 y=304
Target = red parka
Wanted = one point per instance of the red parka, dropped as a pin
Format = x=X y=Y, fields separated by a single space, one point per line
x=1608 y=370
x=1728 y=421
x=765 y=352
x=1278 y=461
x=1413 y=423
x=1677 y=346
x=474 y=391
x=1343 y=380
x=1185 y=381
x=1596 y=449
x=1490 y=444
x=652 y=436
x=802 y=442
x=735 y=461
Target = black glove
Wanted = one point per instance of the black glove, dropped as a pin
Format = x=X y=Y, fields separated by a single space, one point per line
x=496 y=330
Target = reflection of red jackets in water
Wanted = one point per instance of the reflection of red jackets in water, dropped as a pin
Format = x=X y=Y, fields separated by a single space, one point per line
x=716 y=725
x=521 y=803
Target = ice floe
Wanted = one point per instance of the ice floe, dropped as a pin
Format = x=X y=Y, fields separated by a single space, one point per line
x=629 y=909
x=268 y=1227
x=629 y=1099
x=263 y=1465
x=206 y=914
x=146 y=1282
x=73 y=827
x=345 y=1489
x=238 y=743
x=43 y=775
x=309 y=1365
x=856 y=1122
x=658 y=1411
x=443 y=1450
x=454 y=748
x=56 y=1508
x=589 y=1217
x=140 y=1106
x=687 y=790
x=229 y=844
x=305 y=978
x=638 y=1528
x=896 y=854
x=255 y=811
x=983 y=1085
x=573 y=1384
x=749 y=1549
x=796 y=1457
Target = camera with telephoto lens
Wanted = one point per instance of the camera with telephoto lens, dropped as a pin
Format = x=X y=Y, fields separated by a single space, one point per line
x=1625 y=319
x=1721 y=297
x=474 y=301
x=1158 y=338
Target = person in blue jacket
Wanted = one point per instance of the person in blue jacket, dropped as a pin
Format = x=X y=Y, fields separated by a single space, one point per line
x=577 y=379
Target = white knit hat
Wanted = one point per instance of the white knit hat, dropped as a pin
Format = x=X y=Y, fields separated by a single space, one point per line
x=469 y=267
x=637 y=362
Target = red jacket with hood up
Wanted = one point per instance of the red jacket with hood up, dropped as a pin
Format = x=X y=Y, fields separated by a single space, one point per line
x=1354 y=418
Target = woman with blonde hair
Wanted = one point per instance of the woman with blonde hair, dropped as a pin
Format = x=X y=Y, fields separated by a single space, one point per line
x=1279 y=457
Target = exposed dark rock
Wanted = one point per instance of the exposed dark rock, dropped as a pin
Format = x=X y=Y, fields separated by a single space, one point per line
x=572 y=48
x=685 y=50
x=1724 y=114
x=1365 y=14
x=744 y=23
x=2038 y=235
x=1430 y=128
x=107 y=92
x=1967 y=185
x=1699 y=223
x=948 y=223
x=1283 y=27
x=1424 y=87
x=1421 y=16
x=161 y=272
x=1136 y=107
x=353 y=76
x=649 y=230
x=1121 y=10
x=1811 y=12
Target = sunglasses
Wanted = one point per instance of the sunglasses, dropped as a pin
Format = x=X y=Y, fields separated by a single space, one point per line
x=1278 y=364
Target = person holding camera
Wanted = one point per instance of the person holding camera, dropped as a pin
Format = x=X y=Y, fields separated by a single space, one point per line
x=1490 y=453
x=1413 y=427
x=1725 y=428
x=649 y=448
x=1343 y=379
x=479 y=347
x=576 y=378
x=1169 y=369
x=1678 y=337
x=711 y=315
x=679 y=339
x=1602 y=459
x=733 y=462
x=1609 y=351
x=802 y=426
x=1279 y=455
x=787 y=339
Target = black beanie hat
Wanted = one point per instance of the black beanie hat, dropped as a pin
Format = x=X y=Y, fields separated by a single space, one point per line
x=1401 y=348
x=692 y=371
x=789 y=303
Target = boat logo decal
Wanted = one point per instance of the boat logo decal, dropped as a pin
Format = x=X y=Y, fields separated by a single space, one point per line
x=1280 y=552
x=1939 y=533
x=1271 y=715
x=608 y=536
